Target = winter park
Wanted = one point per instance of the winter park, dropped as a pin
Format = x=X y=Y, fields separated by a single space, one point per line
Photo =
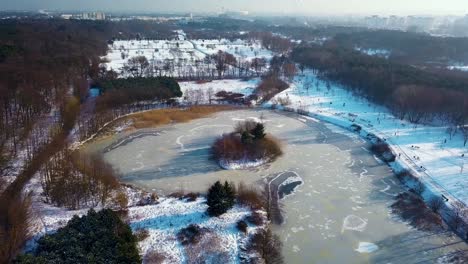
x=286 y=133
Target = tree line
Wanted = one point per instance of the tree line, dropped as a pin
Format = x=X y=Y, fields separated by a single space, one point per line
x=409 y=47
x=412 y=93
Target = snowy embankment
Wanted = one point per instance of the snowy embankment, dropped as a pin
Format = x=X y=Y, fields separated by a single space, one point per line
x=241 y=164
x=427 y=151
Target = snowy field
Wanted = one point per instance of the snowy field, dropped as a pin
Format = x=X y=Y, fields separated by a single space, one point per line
x=427 y=150
x=189 y=53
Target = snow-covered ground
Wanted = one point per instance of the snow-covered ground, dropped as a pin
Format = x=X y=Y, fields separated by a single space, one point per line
x=189 y=53
x=428 y=150
x=162 y=220
x=165 y=220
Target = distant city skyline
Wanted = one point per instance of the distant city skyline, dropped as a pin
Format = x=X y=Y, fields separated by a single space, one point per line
x=312 y=7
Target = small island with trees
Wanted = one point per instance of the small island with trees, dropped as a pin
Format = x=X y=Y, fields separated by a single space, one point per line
x=247 y=147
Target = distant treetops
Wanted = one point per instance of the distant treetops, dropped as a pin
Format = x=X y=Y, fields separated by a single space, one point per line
x=247 y=144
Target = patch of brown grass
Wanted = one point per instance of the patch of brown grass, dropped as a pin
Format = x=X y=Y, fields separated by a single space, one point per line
x=161 y=117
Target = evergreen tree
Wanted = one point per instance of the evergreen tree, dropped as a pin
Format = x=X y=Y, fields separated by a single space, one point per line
x=259 y=131
x=99 y=237
x=246 y=137
x=220 y=198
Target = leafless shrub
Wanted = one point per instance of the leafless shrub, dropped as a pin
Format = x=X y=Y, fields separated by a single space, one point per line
x=191 y=196
x=403 y=175
x=242 y=226
x=256 y=218
x=268 y=246
x=418 y=188
x=435 y=203
x=141 y=234
x=15 y=224
x=250 y=196
x=209 y=249
x=382 y=150
x=190 y=235
x=412 y=208
x=283 y=101
x=458 y=213
x=178 y=195
x=154 y=257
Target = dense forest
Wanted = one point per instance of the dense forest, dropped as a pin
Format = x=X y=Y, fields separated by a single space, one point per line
x=409 y=47
x=41 y=62
x=46 y=67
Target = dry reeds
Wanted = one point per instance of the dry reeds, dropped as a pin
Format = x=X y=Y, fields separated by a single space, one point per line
x=250 y=196
x=166 y=116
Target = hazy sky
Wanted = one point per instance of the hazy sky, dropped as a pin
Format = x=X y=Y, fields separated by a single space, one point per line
x=398 y=7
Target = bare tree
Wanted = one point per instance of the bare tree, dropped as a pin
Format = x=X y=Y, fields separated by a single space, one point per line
x=137 y=66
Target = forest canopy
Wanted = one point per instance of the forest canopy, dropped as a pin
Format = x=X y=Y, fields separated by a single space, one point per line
x=98 y=237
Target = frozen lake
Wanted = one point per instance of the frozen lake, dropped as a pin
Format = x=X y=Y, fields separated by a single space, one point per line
x=339 y=214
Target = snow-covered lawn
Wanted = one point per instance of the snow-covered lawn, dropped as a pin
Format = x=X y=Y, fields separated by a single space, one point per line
x=167 y=218
x=189 y=53
x=426 y=149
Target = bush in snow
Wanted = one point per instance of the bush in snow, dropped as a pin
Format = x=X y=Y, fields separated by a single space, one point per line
x=242 y=226
x=141 y=234
x=267 y=245
x=250 y=197
x=190 y=235
x=256 y=218
x=435 y=203
x=220 y=198
x=154 y=257
x=382 y=150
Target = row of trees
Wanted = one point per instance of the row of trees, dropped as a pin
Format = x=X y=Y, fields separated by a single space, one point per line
x=216 y=66
x=39 y=62
x=76 y=180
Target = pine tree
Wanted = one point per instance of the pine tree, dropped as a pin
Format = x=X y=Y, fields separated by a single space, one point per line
x=259 y=131
x=246 y=137
x=220 y=198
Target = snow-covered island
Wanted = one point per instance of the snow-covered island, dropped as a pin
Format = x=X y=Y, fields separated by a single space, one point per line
x=247 y=147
